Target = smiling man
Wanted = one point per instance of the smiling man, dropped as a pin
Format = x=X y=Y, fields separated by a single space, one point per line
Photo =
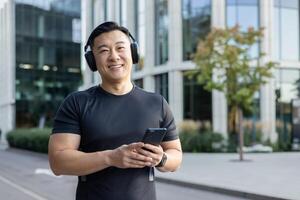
x=97 y=133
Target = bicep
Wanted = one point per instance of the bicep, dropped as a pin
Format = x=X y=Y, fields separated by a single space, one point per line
x=63 y=141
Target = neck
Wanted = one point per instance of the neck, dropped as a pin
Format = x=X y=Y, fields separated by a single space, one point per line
x=117 y=88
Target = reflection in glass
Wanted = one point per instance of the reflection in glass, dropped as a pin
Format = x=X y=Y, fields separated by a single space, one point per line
x=161 y=32
x=286 y=30
x=139 y=83
x=245 y=13
x=47 y=57
x=287 y=89
x=197 y=101
x=196 y=21
x=162 y=85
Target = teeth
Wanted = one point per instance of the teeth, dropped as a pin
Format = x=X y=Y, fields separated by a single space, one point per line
x=114 y=66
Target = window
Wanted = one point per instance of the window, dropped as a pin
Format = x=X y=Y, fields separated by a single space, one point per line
x=287 y=89
x=245 y=13
x=161 y=32
x=197 y=101
x=162 y=85
x=139 y=83
x=196 y=22
x=286 y=30
x=47 y=57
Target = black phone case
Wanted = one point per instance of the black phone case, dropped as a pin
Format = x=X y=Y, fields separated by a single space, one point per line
x=154 y=136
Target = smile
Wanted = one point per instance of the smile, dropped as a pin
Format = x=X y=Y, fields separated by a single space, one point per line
x=115 y=66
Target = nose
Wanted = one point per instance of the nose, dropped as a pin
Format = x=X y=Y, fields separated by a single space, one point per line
x=114 y=55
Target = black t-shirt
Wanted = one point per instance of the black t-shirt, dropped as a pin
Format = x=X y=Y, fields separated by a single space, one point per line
x=106 y=121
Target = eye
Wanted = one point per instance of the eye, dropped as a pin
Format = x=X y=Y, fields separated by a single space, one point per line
x=120 y=48
x=103 y=51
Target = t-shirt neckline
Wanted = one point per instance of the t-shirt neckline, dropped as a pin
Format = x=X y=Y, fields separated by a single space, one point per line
x=101 y=90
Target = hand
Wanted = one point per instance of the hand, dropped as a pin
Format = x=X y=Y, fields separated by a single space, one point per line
x=154 y=152
x=128 y=156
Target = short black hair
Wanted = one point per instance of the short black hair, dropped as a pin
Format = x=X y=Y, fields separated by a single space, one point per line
x=104 y=28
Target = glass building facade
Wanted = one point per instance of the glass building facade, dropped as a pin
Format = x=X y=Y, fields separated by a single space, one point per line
x=196 y=22
x=245 y=14
x=176 y=27
x=197 y=101
x=162 y=85
x=286 y=30
x=161 y=32
x=48 y=36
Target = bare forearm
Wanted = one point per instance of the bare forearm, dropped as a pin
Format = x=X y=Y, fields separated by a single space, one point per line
x=174 y=158
x=74 y=162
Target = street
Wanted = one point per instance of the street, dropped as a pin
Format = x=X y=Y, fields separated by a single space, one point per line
x=25 y=175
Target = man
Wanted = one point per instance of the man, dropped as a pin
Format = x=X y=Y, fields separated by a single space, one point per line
x=97 y=133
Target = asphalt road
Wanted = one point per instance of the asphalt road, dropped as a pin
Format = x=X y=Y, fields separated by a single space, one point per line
x=25 y=175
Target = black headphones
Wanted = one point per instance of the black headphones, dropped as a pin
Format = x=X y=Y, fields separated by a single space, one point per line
x=103 y=28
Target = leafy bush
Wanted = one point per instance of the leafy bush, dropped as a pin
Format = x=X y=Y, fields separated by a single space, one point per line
x=196 y=136
x=201 y=142
x=30 y=139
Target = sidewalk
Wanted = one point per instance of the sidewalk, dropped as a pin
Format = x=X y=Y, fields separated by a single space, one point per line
x=261 y=176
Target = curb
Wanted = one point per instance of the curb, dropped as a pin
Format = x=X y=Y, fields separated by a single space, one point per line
x=220 y=190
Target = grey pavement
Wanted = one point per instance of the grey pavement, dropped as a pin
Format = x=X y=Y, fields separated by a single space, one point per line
x=260 y=176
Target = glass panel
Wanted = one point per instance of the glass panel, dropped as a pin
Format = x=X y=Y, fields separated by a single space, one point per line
x=245 y=14
x=162 y=85
x=47 y=58
x=286 y=17
x=139 y=83
x=161 y=32
x=196 y=21
x=197 y=101
x=290 y=38
x=287 y=82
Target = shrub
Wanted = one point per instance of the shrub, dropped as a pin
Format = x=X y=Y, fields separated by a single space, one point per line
x=30 y=139
x=196 y=136
x=201 y=141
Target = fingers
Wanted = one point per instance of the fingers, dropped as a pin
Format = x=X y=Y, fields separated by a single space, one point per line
x=134 y=146
x=154 y=152
x=130 y=158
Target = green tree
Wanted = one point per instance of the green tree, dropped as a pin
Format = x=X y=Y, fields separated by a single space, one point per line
x=224 y=63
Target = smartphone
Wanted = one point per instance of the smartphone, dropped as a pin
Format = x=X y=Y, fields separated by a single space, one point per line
x=154 y=136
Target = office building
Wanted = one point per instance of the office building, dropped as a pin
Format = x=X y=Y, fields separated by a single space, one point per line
x=40 y=59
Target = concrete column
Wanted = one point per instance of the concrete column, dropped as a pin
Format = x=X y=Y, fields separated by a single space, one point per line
x=175 y=33
x=219 y=103
x=176 y=94
x=149 y=84
x=7 y=68
x=86 y=28
x=130 y=14
x=267 y=99
x=175 y=59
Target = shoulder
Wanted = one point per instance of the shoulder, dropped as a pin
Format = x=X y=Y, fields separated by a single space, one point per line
x=83 y=95
x=79 y=98
x=148 y=95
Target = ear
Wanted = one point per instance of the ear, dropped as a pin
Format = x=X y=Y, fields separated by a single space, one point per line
x=134 y=52
x=90 y=59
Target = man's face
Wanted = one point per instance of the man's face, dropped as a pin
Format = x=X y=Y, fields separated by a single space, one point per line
x=113 y=56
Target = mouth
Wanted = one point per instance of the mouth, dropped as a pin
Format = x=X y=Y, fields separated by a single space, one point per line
x=115 y=66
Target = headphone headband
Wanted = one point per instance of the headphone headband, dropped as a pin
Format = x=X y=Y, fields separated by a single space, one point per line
x=105 y=28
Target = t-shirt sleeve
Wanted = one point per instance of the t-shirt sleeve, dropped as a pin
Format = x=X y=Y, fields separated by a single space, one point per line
x=67 y=118
x=168 y=122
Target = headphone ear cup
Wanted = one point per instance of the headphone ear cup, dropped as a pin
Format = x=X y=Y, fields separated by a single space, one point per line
x=134 y=52
x=89 y=57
